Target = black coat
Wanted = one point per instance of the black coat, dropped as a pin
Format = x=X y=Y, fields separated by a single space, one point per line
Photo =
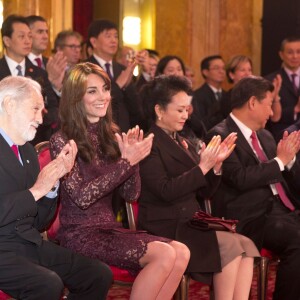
x=172 y=186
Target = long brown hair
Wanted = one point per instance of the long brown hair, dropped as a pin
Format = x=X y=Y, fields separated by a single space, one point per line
x=73 y=117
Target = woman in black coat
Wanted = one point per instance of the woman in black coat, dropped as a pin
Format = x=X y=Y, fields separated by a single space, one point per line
x=175 y=178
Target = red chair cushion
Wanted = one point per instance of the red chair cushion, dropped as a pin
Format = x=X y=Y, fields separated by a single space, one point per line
x=52 y=230
x=44 y=157
x=266 y=253
x=4 y=296
x=122 y=275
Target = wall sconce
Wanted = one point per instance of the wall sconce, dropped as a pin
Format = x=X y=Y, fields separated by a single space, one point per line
x=132 y=30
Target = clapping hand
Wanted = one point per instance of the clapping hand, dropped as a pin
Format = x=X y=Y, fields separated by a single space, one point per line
x=56 y=67
x=226 y=148
x=209 y=154
x=216 y=152
x=288 y=146
x=66 y=158
x=135 y=135
x=53 y=171
x=133 y=146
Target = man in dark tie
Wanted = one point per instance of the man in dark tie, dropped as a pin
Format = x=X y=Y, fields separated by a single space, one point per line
x=103 y=36
x=206 y=99
x=40 y=40
x=30 y=267
x=260 y=182
x=289 y=92
x=17 y=41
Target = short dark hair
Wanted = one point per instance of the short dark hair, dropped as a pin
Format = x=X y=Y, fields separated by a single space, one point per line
x=98 y=26
x=164 y=61
x=248 y=87
x=34 y=18
x=7 y=26
x=289 y=39
x=152 y=52
x=160 y=91
x=205 y=63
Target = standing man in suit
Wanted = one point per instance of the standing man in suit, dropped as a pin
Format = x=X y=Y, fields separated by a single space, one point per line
x=290 y=89
x=206 y=99
x=257 y=181
x=103 y=36
x=30 y=267
x=17 y=41
x=40 y=40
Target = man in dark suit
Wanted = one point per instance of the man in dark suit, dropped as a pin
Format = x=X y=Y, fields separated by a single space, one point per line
x=290 y=89
x=17 y=41
x=103 y=36
x=30 y=267
x=40 y=40
x=206 y=100
x=257 y=181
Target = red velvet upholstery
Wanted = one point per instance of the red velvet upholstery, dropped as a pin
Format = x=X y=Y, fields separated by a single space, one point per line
x=121 y=275
x=4 y=296
x=44 y=157
x=266 y=253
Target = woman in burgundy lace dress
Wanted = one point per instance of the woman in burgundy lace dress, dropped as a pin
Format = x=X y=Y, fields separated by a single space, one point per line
x=108 y=161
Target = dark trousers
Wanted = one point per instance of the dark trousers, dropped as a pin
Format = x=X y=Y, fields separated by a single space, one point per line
x=282 y=236
x=36 y=275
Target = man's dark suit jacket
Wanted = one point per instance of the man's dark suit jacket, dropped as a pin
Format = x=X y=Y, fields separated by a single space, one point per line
x=172 y=185
x=21 y=217
x=45 y=61
x=125 y=107
x=289 y=99
x=245 y=192
x=19 y=209
x=206 y=112
x=51 y=101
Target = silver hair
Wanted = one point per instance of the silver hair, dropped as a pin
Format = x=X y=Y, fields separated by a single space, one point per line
x=17 y=88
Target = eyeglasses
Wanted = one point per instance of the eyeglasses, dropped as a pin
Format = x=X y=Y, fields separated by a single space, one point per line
x=217 y=68
x=73 y=47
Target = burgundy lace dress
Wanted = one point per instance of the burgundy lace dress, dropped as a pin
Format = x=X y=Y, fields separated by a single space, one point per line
x=88 y=224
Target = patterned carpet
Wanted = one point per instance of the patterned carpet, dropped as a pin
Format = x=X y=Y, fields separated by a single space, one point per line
x=198 y=291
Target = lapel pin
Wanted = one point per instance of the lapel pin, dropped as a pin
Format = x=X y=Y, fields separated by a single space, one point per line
x=27 y=161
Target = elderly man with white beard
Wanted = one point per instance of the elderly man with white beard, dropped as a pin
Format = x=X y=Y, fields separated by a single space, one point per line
x=30 y=267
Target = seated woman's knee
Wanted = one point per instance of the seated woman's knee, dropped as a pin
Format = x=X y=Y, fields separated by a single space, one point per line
x=161 y=253
x=182 y=251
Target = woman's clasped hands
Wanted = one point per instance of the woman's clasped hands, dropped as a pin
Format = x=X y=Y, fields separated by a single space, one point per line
x=213 y=155
x=133 y=146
